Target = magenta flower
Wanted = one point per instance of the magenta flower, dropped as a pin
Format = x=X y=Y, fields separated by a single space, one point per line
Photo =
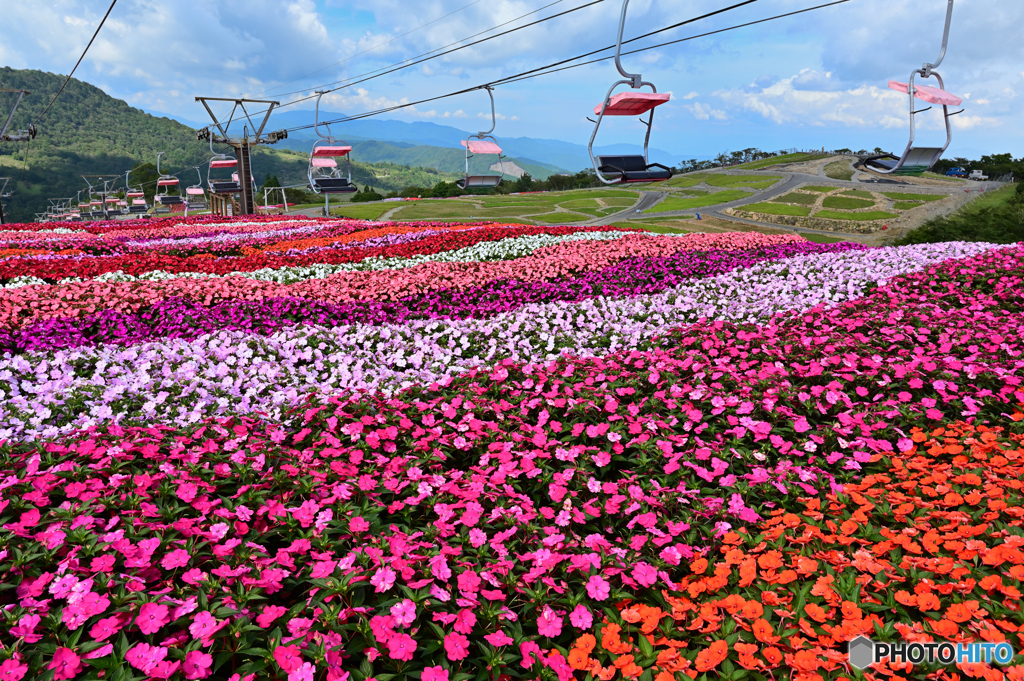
x=498 y=639
x=151 y=617
x=469 y=582
x=401 y=647
x=437 y=673
x=203 y=624
x=106 y=627
x=358 y=525
x=464 y=621
x=530 y=652
x=597 y=588
x=404 y=612
x=175 y=559
x=15 y=670
x=197 y=664
x=549 y=623
x=581 y=618
x=269 y=614
x=288 y=657
x=65 y=664
x=457 y=647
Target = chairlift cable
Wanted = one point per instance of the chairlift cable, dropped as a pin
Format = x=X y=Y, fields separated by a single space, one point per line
x=445 y=47
x=404 y=65
x=370 y=49
x=543 y=70
x=516 y=79
x=68 y=80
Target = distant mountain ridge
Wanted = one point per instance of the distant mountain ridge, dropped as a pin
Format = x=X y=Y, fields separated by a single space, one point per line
x=565 y=156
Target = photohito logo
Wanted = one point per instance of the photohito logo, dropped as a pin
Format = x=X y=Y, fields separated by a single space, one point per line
x=863 y=652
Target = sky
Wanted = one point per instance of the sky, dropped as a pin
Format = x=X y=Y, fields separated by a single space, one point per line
x=814 y=80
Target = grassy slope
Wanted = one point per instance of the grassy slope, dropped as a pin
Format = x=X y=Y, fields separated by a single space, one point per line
x=846 y=203
x=858 y=217
x=675 y=203
x=777 y=209
x=793 y=197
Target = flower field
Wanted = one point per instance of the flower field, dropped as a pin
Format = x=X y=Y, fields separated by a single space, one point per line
x=323 y=450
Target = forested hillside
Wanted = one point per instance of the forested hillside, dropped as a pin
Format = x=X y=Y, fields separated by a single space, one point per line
x=87 y=132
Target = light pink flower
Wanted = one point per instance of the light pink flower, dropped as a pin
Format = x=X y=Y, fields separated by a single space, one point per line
x=383 y=579
x=597 y=588
x=581 y=618
x=549 y=623
x=645 y=574
x=304 y=673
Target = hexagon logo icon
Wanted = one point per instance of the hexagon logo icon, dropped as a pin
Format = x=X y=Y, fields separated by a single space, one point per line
x=862 y=652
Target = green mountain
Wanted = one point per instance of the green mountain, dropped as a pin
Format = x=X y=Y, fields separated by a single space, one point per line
x=87 y=132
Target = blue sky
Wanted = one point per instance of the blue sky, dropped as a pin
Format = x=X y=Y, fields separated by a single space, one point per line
x=818 y=79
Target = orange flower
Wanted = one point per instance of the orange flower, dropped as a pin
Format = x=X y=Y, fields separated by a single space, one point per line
x=752 y=610
x=815 y=612
x=958 y=612
x=772 y=654
x=712 y=656
x=851 y=611
x=928 y=601
x=770 y=560
x=586 y=643
x=631 y=615
x=579 y=659
x=699 y=566
x=763 y=631
x=945 y=628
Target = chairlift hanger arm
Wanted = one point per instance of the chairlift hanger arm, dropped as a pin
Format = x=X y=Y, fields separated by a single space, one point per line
x=927 y=68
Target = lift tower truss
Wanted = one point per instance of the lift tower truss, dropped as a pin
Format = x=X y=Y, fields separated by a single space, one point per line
x=218 y=132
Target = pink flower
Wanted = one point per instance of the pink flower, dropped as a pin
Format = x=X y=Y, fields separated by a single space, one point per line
x=358 y=525
x=464 y=621
x=197 y=664
x=439 y=568
x=14 y=670
x=151 y=617
x=303 y=673
x=469 y=582
x=437 y=673
x=383 y=579
x=288 y=657
x=581 y=618
x=145 y=657
x=401 y=647
x=404 y=612
x=105 y=628
x=175 y=559
x=65 y=664
x=549 y=623
x=498 y=638
x=102 y=651
x=645 y=574
x=269 y=614
x=530 y=652
x=597 y=588
x=457 y=646
x=203 y=624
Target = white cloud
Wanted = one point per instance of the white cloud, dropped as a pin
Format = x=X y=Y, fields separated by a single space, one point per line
x=692 y=95
x=703 y=112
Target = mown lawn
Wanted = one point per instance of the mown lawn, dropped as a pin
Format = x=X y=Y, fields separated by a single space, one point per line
x=846 y=203
x=818 y=188
x=775 y=160
x=907 y=205
x=859 y=193
x=364 y=211
x=900 y=196
x=676 y=203
x=793 y=197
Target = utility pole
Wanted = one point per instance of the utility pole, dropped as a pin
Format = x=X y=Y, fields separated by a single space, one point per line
x=3 y=195
x=243 y=144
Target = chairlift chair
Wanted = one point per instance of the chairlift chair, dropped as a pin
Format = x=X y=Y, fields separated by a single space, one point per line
x=135 y=197
x=479 y=144
x=628 y=168
x=323 y=172
x=916 y=160
x=164 y=183
x=195 y=196
x=222 y=162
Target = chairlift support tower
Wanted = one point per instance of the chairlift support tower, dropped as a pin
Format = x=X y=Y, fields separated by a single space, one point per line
x=106 y=180
x=25 y=135
x=243 y=144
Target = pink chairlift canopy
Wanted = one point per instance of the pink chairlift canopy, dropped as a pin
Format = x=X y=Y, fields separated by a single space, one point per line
x=633 y=103
x=323 y=162
x=167 y=183
x=133 y=195
x=194 y=191
x=927 y=93
x=234 y=178
x=138 y=202
x=112 y=199
x=331 y=151
x=481 y=147
x=224 y=163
